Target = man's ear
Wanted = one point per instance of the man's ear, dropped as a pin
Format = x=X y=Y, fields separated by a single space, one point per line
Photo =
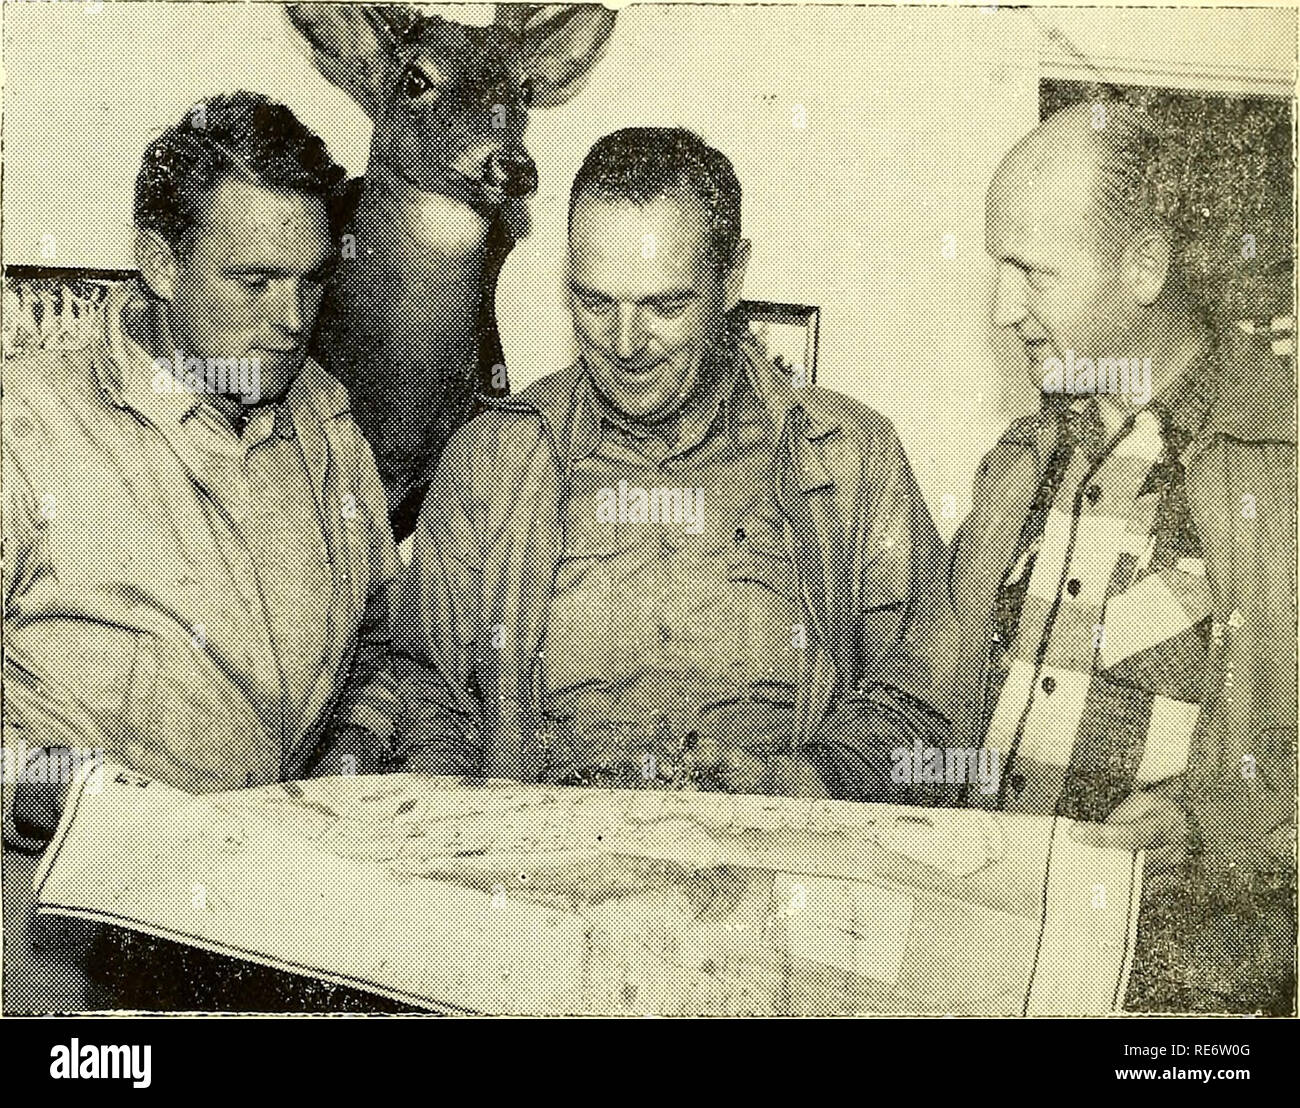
x=1144 y=265
x=735 y=281
x=156 y=261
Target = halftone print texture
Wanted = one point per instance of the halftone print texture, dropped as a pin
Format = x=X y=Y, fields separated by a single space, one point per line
x=692 y=510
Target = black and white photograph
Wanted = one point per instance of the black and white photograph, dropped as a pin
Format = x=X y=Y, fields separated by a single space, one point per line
x=649 y=510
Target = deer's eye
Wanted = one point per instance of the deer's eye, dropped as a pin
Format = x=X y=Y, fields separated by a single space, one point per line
x=414 y=83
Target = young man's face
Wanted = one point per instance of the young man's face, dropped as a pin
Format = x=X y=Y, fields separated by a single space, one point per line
x=249 y=281
x=648 y=300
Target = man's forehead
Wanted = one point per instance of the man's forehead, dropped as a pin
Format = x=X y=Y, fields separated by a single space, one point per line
x=248 y=221
x=1041 y=197
x=612 y=230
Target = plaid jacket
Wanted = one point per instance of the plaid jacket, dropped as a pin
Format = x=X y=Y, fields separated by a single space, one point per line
x=1239 y=781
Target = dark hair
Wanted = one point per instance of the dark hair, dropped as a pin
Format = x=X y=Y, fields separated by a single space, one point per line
x=638 y=164
x=1132 y=189
x=242 y=134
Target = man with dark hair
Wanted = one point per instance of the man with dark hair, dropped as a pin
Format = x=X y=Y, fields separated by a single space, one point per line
x=670 y=565
x=241 y=134
x=1125 y=633
x=198 y=548
x=638 y=164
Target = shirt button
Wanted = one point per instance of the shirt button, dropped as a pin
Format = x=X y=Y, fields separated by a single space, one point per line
x=1073 y=586
x=1049 y=684
x=1093 y=494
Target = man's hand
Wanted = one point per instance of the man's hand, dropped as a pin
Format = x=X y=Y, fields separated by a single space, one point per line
x=349 y=751
x=794 y=775
x=1144 y=821
x=731 y=768
x=736 y=770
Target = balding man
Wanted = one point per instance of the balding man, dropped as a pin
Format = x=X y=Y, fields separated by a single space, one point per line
x=1124 y=584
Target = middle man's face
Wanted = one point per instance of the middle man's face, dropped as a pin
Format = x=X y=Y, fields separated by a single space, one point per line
x=647 y=298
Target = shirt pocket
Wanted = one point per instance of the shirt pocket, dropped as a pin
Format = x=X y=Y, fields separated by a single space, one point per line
x=758 y=557
x=764 y=609
x=595 y=625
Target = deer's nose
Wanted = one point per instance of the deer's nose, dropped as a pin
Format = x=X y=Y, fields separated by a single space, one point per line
x=513 y=172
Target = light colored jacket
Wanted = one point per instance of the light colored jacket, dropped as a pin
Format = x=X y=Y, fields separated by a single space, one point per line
x=476 y=594
x=135 y=620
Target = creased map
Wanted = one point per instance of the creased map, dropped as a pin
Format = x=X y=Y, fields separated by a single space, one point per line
x=500 y=898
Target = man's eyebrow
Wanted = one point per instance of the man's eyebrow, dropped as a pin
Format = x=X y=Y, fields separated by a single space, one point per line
x=658 y=298
x=324 y=267
x=253 y=271
x=667 y=297
x=589 y=294
x=1021 y=263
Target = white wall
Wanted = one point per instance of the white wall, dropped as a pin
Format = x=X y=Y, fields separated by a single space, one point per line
x=908 y=113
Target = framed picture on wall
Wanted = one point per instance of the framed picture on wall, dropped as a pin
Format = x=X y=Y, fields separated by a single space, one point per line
x=788 y=332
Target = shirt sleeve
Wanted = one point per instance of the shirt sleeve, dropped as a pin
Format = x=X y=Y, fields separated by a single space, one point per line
x=20 y=507
x=892 y=701
x=36 y=715
x=431 y=633
x=370 y=702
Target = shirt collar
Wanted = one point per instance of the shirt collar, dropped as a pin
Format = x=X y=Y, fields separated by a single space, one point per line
x=129 y=372
x=1185 y=405
x=1182 y=407
x=130 y=375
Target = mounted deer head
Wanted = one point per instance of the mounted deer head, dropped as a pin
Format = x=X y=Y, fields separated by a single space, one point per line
x=450 y=101
x=408 y=323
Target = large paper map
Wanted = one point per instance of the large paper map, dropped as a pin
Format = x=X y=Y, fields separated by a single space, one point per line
x=496 y=897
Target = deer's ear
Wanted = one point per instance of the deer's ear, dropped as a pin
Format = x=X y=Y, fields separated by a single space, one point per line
x=557 y=45
x=352 y=43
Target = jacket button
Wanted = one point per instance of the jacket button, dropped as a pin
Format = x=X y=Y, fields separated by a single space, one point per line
x=1073 y=586
x=1093 y=494
x=1049 y=684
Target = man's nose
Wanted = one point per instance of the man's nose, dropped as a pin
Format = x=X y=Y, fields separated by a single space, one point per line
x=1010 y=296
x=294 y=307
x=631 y=334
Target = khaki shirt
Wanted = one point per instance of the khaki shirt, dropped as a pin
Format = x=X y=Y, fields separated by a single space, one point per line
x=662 y=629
x=200 y=604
